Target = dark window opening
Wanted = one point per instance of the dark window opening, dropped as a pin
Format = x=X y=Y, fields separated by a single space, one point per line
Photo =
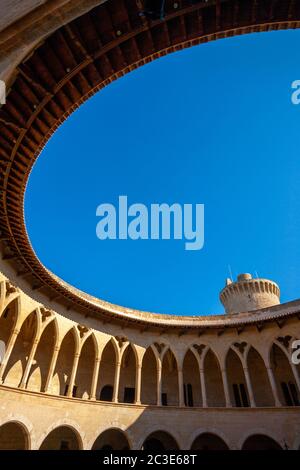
x=64 y=445
x=290 y=394
x=188 y=395
x=294 y=393
x=164 y=399
x=129 y=395
x=106 y=393
x=240 y=395
x=244 y=396
x=74 y=391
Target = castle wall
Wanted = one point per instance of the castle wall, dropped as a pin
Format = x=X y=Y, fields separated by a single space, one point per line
x=57 y=363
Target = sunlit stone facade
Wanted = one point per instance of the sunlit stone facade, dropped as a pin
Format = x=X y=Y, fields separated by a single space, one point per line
x=98 y=385
x=78 y=372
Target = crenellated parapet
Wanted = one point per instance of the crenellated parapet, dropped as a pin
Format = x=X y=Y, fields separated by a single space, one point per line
x=248 y=294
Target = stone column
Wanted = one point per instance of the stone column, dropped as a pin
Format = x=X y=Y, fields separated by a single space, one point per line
x=226 y=389
x=51 y=368
x=203 y=388
x=116 y=382
x=138 y=383
x=29 y=363
x=273 y=386
x=8 y=352
x=180 y=388
x=95 y=378
x=249 y=387
x=159 y=384
x=73 y=375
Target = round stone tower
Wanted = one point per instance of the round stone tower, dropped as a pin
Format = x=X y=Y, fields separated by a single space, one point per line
x=247 y=294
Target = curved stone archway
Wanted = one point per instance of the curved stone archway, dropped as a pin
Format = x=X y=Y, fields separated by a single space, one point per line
x=127 y=376
x=160 y=441
x=260 y=442
x=14 y=436
x=170 y=386
x=208 y=441
x=213 y=380
x=260 y=382
x=111 y=439
x=42 y=359
x=17 y=362
x=285 y=380
x=149 y=378
x=62 y=438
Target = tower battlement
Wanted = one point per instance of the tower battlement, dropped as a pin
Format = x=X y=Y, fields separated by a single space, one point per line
x=247 y=294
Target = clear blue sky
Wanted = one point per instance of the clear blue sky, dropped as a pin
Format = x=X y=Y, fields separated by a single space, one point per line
x=213 y=124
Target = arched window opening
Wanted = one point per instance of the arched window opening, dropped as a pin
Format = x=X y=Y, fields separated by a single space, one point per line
x=7 y=322
x=262 y=391
x=160 y=441
x=111 y=439
x=149 y=378
x=284 y=377
x=13 y=437
x=85 y=369
x=236 y=380
x=127 y=376
x=260 y=442
x=213 y=381
x=64 y=365
x=191 y=380
x=42 y=359
x=207 y=441
x=18 y=359
x=170 y=391
x=107 y=369
x=62 y=438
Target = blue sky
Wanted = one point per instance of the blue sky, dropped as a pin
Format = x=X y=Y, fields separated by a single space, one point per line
x=213 y=124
